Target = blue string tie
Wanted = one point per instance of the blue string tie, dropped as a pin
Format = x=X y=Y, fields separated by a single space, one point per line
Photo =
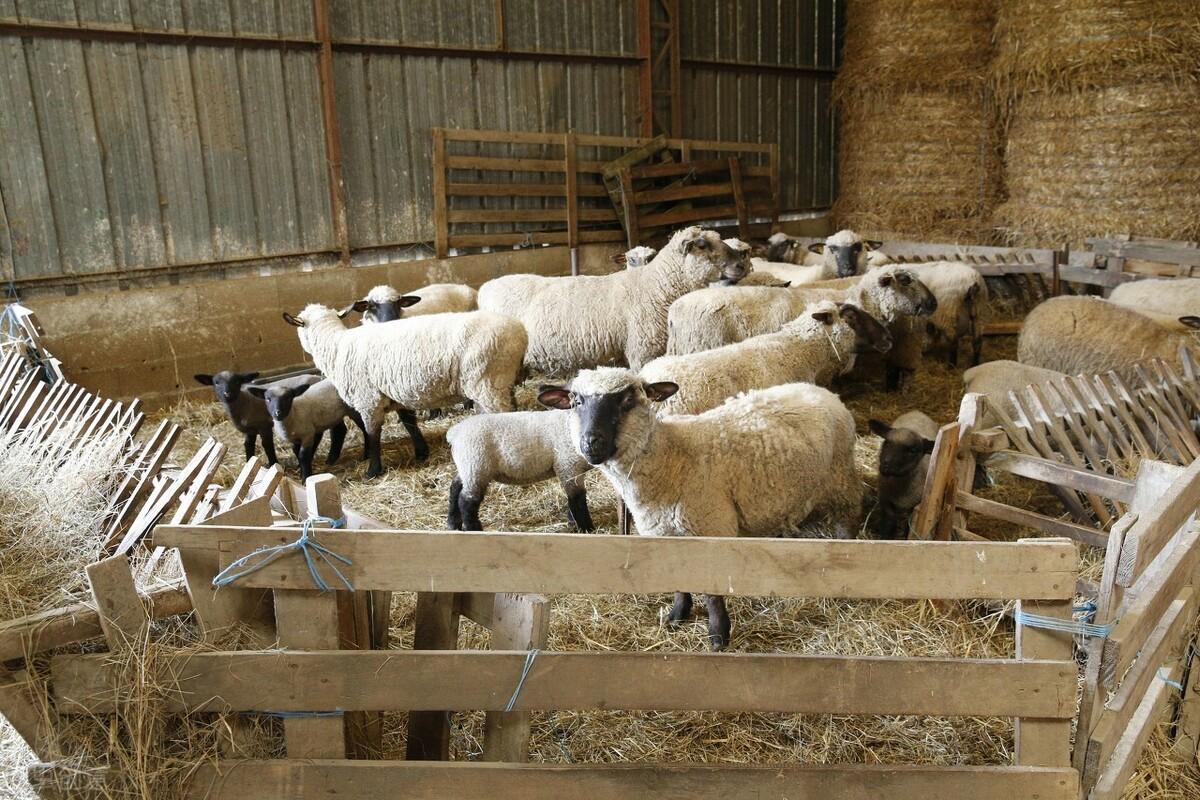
x=1079 y=627
x=306 y=544
x=529 y=659
x=1176 y=685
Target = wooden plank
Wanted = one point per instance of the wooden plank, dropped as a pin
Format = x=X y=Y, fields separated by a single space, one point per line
x=1053 y=472
x=25 y=706
x=123 y=618
x=937 y=481
x=570 y=149
x=519 y=622
x=1158 y=525
x=1041 y=446
x=1111 y=783
x=241 y=486
x=310 y=780
x=678 y=168
x=739 y=197
x=1108 y=401
x=152 y=511
x=630 y=220
x=520 y=190
x=1085 y=396
x=1038 y=404
x=544 y=237
x=688 y=191
x=435 y=627
x=441 y=227
x=590 y=563
x=681 y=215
x=464 y=680
x=1042 y=742
x=530 y=215
x=1031 y=519
x=493 y=164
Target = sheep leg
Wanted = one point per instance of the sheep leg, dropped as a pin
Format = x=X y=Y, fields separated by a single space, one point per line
x=454 y=517
x=577 y=508
x=468 y=506
x=374 y=433
x=248 y=440
x=952 y=353
x=888 y=522
x=977 y=347
x=409 y=420
x=307 y=451
x=356 y=418
x=681 y=609
x=337 y=437
x=718 y=622
x=892 y=378
x=268 y=443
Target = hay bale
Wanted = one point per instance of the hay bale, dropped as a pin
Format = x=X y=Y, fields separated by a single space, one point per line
x=909 y=44
x=1121 y=159
x=1068 y=44
x=920 y=164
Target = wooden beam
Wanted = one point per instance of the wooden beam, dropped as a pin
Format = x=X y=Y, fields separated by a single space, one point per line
x=1054 y=472
x=1156 y=527
x=1111 y=783
x=123 y=618
x=25 y=705
x=519 y=622
x=331 y=129
x=1041 y=742
x=465 y=680
x=938 y=481
x=435 y=627
x=559 y=563
x=1031 y=519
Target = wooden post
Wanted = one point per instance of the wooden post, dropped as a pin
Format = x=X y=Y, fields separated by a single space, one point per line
x=1187 y=724
x=519 y=622
x=633 y=231
x=645 y=70
x=333 y=141
x=435 y=628
x=123 y=618
x=572 y=176
x=739 y=197
x=937 y=499
x=441 y=226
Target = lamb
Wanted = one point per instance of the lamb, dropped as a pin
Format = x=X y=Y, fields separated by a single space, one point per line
x=247 y=412
x=426 y=362
x=903 y=465
x=518 y=448
x=1166 y=301
x=816 y=347
x=303 y=413
x=1088 y=335
x=582 y=321
x=384 y=304
x=718 y=316
x=761 y=464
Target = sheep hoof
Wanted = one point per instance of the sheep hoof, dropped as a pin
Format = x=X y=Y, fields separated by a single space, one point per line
x=373 y=472
x=717 y=640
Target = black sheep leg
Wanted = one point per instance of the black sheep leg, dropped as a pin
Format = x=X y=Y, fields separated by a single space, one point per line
x=373 y=448
x=577 y=510
x=248 y=440
x=356 y=418
x=337 y=437
x=468 y=506
x=718 y=622
x=682 y=608
x=268 y=444
x=409 y=420
x=454 y=519
x=306 y=459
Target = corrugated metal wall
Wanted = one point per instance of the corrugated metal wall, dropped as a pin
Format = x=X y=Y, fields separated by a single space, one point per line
x=123 y=155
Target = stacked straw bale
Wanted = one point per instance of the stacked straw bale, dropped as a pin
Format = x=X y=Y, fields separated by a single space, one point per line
x=919 y=150
x=1104 y=118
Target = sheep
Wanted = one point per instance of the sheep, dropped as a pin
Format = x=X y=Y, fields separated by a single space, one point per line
x=794 y=274
x=303 y=413
x=996 y=379
x=903 y=464
x=426 y=362
x=1085 y=335
x=384 y=304
x=742 y=249
x=1166 y=301
x=638 y=256
x=718 y=316
x=517 y=448
x=583 y=321
x=247 y=412
x=816 y=347
x=843 y=254
x=761 y=464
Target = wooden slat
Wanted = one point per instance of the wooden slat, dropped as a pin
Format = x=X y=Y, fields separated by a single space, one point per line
x=684 y=192
x=572 y=178
x=1042 y=742
x=542 y=237
x=123 y=618
x=938 y=481
x=465 y=680
x=241 y=486
x=1047 y=471
x=530 y=215
x=1038 y=405
x=1111 y=783
x=1031 y=519
x=22 y=705
x=588 y=563
x=491 y=164
x=435 y=627
x=519 y=622
x=675 y=169
x=521 y=190
x=681 y=215
x=441 y=227
x=1155 y=528
x=311 y=780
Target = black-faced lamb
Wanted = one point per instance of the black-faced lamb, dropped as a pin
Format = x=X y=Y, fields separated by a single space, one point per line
x=384 y=304
x=816 y=347
x=582 y=321
x=302 y=414
x=518 y=448
x=247 y=412
x=707 y=474
x=903 y=465
x=413 y=364
x=1084 y=335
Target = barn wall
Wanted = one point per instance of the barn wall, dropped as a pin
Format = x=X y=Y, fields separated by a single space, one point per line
x=125 y=154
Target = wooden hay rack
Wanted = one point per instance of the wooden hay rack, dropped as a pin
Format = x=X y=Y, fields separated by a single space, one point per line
x=21 y=332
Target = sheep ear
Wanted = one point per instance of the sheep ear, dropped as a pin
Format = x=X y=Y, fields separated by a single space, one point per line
x=873 y=244
x=823 y=317
x=296 y=391
x=695 y=243
x=554 y=397
x=878 y=427
x=927 y=445
x=204 y=380
x=886 y=280
x=346 y=311
x=1190 y=322
x=293 y=321
x=360 y=306
x=816 y=247
x=246 y=377
x=408 y=300
x=661 y=391
x=258 y=391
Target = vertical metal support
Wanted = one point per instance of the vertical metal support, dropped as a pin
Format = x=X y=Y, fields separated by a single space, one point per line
x=645 y=70
x=333 y=141
x=441 y=225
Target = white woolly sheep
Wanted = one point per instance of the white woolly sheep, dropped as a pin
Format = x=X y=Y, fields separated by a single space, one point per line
x=793 y=274
x=384 y=304
x=903 y=464
x=247 y=412
x=585 y=320
x=815 y=347
x=762 y=464
x=1167 y=301
x=303 y=413
x=518 y=448
x=961 y=292
x=421 y=363
x=1084 y=335
x=996 y=379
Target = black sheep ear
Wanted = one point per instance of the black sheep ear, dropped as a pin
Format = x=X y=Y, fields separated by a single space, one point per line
x=360 y=306
x=296 y=391
x=661 y=391
x=258 y=391
x=823 y=317
x=204 y=380
x=246 y=377
x=695 y=243
x=554 y=397
x=408 y=300
x=886 y=280
x=1190 y=322
x=879 y=428
x=927 y=445
x=873 y=244
x=293 y=321
x=817 y=247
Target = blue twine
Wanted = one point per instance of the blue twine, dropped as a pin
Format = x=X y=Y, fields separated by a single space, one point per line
x=1176 y=685
x=306 y=544
x=1064 y=625
x=529 y=659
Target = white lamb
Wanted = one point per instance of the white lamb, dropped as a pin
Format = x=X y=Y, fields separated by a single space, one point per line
x=816 y=347
x=1167 y=301
x=762 y=464
x=303 y=413
x=384 y=304
x=586 y=320
x=421 y=363
x=518 y=448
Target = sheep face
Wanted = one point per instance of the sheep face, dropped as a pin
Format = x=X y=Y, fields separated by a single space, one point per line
x=226 y=385
x=384 y=304
x=902 y=449
x=782 y=248
x=707 y=259
x=278 y=399
x=846 y=252
x=871 y=334
x=907 y=295
x=608 y=418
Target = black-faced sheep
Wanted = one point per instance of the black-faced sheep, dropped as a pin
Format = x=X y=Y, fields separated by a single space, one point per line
x=384 y=304
x=903 y=464
x=303 y=413
x=247 y=412
x=707 y=475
